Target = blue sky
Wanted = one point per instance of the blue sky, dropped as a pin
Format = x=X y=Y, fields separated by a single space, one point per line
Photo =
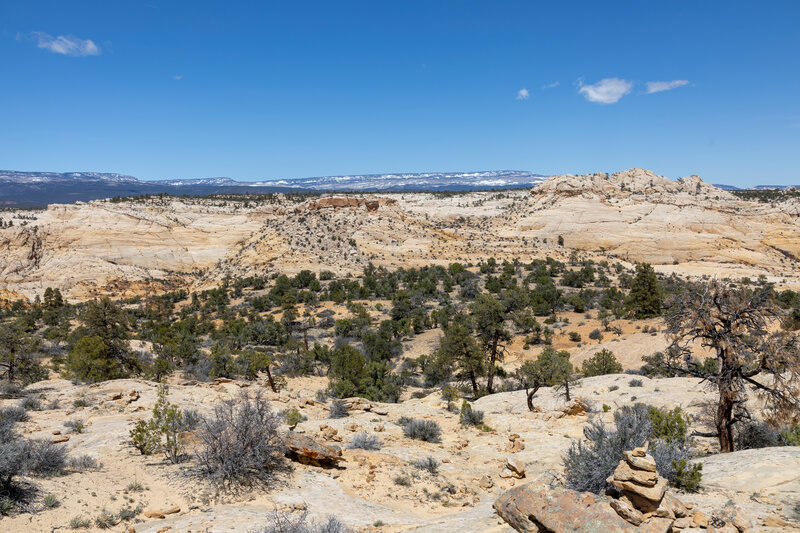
x=260 y=90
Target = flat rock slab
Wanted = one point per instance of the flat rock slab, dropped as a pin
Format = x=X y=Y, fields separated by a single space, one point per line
x=772 y=469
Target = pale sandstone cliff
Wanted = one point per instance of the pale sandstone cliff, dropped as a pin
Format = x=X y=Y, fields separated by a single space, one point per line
x=131 y=247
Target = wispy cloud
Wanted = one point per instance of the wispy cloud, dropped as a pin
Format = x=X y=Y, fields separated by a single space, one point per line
x=658 y=86
x=550 y=85
x=67 y=45
x=177 y=77
x=606 y=91
x=523 y=94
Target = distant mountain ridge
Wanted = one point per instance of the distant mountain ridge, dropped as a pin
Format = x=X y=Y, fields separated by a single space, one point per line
x=38 y=189
x=33 y=189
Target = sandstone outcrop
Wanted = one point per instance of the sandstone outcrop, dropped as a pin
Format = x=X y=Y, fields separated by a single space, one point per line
x=339 y=202
x=308 y=451
x=534 y=509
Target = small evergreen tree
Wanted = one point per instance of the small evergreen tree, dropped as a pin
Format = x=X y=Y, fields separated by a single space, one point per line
x=602 y=363
x=644 y=299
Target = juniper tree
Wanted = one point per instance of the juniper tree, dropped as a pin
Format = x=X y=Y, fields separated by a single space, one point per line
x=736 y=325
x=551 y=369
x=645 y=298
x=489 y=315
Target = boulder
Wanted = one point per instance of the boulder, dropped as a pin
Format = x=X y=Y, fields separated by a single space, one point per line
x=515 y=466
x=536 y=508
x=626 y=510
x=308 y=451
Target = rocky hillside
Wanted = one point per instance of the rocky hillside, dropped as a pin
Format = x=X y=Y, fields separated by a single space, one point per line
x=126 y=247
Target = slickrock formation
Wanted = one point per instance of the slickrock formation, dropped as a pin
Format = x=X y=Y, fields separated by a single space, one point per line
x=134 y=248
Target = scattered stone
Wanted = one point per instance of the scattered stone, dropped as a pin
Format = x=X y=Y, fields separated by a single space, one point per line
x=59 y=439
x=154 y=513
x=576 y=407
x=774 y=521
x=486 y=483
x=700 y=519
x=516 y=467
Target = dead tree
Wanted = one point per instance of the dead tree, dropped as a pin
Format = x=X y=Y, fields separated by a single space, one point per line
x=739 y=327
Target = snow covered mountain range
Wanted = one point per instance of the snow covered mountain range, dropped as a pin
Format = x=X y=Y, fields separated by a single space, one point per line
x=42 y=188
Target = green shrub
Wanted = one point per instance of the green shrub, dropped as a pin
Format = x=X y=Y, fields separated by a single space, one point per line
x=669 y=426
x=79 y=522
x=163 y=432
x=687 y=476
x=602 y=363
x=470 y=416
x=293 y=417
x=51 y=502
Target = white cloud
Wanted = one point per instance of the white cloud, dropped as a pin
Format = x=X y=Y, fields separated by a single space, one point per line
x=606 y=91
x=523 y=94
x=658 y=86
x=550 y=85
x=68 y=45
x=177 y=77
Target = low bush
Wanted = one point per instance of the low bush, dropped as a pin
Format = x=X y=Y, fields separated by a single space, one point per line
x=13 y=414
x=338 y=409
x=240 y=444
x=75 y=426
x=365 y=441
x=43 y=458
x=292 y=417
x=428 y=464
x=79 y=522
x=635 y=383
x=31 y=404
x=79 y=463
x=424 y=430
x=669 y=426
x=285 y=523
x=51 y=502
x=758 y=434
x=589 y=464
x=105 y=520
x=470 y=416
